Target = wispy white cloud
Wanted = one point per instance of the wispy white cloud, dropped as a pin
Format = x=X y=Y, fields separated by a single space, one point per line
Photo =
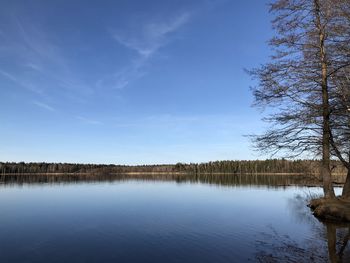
x=88 y=121
x=33 y=66
x=36 y=62
x=21 y=82
x=152 y=36
x=43 y=106
x=146 y=40
x=8 y=75
x=120 y=79
x=37 y=45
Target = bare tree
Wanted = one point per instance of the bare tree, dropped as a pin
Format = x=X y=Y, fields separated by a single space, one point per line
x=339 y=81
x=340 y=123
x=296 y=82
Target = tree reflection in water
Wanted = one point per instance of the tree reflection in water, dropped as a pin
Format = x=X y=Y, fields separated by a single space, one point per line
x=330 y=242
x=337 y=239
x=269 y=180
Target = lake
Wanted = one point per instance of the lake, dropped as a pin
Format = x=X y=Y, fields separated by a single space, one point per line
x=165 y=218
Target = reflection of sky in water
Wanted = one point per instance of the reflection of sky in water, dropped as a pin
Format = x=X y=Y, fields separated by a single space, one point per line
x=137 y=221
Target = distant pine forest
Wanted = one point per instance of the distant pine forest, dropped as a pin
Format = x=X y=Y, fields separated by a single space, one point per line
x=235 y=167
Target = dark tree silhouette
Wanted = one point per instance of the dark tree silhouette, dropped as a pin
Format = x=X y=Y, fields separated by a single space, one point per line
x=296 y=83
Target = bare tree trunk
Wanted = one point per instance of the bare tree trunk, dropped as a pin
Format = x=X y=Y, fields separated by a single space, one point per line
x=332 y=243
x=346 y=188
x=325 y=169
x=344 y=244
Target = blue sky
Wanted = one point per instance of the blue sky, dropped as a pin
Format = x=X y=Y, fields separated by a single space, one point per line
x=129 y=82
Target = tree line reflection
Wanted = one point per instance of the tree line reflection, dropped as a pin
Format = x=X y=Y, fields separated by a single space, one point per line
x=269 y=180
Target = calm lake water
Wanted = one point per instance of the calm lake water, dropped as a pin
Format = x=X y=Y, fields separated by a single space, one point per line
x=222 y=218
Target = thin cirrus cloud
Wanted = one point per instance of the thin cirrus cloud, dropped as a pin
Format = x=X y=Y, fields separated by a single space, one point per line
x=19 y=81
x=36 y=62
x=9 y=76
x=37 y=47
x=146 y=42
x=121 y=78
x=88 y=121
x=152 y=36
x=43 y=106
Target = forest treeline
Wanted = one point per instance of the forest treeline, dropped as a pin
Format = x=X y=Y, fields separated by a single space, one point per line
x=235 y=167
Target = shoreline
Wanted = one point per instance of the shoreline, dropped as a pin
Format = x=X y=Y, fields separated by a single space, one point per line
x=171 y=173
